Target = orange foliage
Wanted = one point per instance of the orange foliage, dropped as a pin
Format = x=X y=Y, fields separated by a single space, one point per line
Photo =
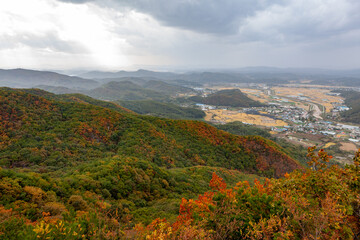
x=217 y=183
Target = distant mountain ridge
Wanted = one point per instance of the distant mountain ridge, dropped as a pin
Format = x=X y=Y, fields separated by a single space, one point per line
x=269 y=75
x=23 y=78
x=119 y=74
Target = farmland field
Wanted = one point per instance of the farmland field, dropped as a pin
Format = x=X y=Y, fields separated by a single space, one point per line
x=226 y=116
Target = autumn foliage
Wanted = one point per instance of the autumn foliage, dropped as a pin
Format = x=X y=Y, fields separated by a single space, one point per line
x=73 y=170
x=318 y=203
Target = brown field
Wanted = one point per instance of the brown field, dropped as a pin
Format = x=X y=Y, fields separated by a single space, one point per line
x=346 y=146
x=297 y=85
x=220 y=115
x=256 y=94
x=314 y=95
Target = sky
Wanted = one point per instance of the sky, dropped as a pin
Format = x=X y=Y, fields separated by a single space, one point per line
x=117 y=35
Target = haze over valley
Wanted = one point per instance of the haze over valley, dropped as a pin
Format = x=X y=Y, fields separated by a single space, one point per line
x=179 y=119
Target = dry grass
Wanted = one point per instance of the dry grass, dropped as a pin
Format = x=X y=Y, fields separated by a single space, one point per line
x=313 y=94
x=329 y=144
x=231 y=116
x=346 y=146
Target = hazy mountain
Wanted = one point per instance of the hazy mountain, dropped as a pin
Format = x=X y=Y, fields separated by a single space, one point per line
x=269 y=75
x=166 y=88
x=120 y=74
x=155 y=84
x=125 y=91
x=23 y=78
x=136 y=80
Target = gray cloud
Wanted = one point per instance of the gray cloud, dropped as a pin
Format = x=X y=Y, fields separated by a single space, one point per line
x=227 y=32
x=205 y=16
x=76 y=1
x=49 y=41
x=303 y=21
x=251 y=20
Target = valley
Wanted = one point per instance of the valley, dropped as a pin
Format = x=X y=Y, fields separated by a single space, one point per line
x=301 y=114
x=130 y=150
x=179 y=120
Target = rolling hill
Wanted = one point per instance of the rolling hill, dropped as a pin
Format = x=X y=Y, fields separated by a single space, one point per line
x=230 y=98
x=159 y=109
x=65 y=155
x=166 y=88
x=54 y=133
x=352 y=100
x=76 y=98
x=125 y=90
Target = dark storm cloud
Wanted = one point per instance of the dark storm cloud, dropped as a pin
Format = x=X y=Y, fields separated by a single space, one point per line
x=76 y=1
x=205 y=16
x=209 y=16
x=254 y=20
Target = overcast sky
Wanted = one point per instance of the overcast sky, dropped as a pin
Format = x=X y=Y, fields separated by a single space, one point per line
x=160 y=34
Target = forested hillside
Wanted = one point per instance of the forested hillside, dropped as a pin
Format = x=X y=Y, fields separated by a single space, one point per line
x=125 y=91
x=37 y=131
x=77 y=168
x=166 y=88
x=231 y=98
x=64 y=155
x=320 y=203
x=297 y=152
x=352 y=99
x=160 y=109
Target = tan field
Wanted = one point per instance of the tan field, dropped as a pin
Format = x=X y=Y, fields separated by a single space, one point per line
x=329 y=144
x=256 y=94
x=231 y=116
x=314 y=95
x=346 y=146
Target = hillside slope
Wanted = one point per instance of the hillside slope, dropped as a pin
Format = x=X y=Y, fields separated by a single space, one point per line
x=166 y=88
x=125 y=90
x=40 y=132
x=231 y=98
x=96 y=169
x=166 y=110
x=352 y=99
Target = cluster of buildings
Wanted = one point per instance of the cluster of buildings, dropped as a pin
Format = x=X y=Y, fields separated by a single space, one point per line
x=300 y=121
x=287 y=113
